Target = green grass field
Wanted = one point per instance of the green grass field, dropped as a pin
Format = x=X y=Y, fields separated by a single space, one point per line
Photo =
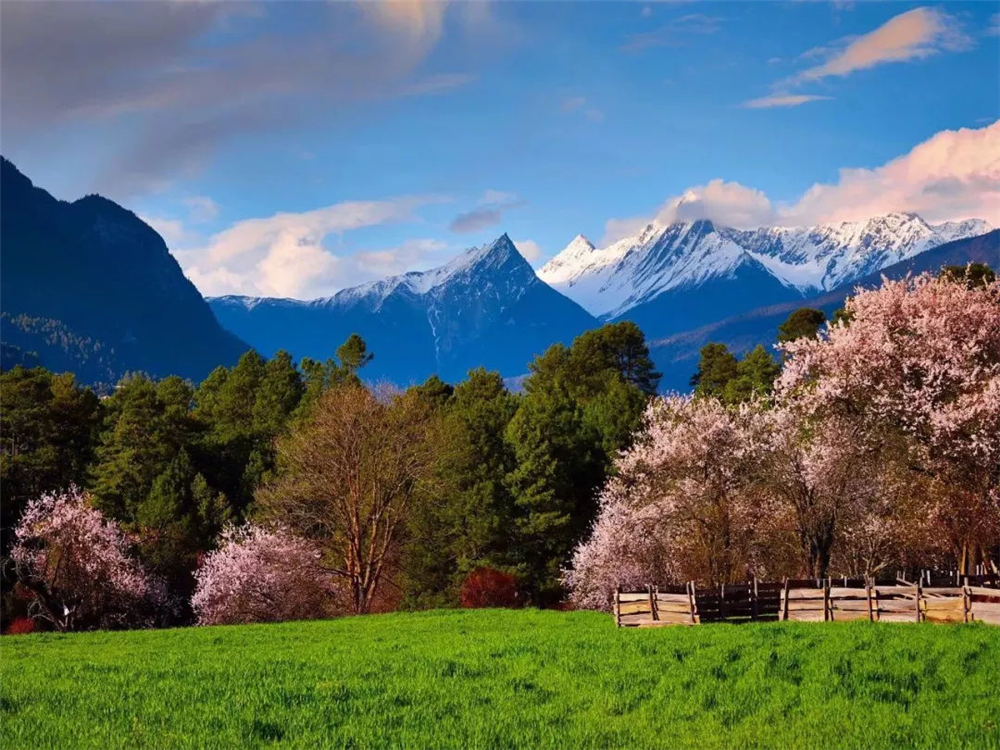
x=505 y=679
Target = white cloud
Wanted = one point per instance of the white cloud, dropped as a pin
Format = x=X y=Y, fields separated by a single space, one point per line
x=994 y=28
x=953 y=175
x=726 y=203
x=782 y=100
x=489 y=212
x=914 y=34
x=285 y=255
x=674 y=33
x=581 y=105
x=202 y=208
x=530 y=249
x=171 y=230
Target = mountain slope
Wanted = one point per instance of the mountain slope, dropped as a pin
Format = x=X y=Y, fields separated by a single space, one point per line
x=669 y=278
x=677 y=355
x=105 y=276
x=485 y=307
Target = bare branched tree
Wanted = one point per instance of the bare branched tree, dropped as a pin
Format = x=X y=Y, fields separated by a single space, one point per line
x=347 y=479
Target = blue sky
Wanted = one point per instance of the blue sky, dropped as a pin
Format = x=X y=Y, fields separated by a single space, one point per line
x=293 y=149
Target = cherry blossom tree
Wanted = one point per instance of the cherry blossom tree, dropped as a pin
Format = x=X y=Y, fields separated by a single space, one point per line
x=919 y=357
x=684 y=503
x=78 y=567
x=261 y=575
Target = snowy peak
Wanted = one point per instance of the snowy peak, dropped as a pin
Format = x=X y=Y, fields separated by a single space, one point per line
x=684 y=255
x=567 y=260
x=957 y=230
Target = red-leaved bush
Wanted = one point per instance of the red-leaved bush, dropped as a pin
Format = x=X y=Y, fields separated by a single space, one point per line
x=261 y=575
x=78 y=567
x=488 y=587
x=21 y=626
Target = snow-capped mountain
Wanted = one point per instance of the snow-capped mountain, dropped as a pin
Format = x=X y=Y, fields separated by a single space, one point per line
x=485 y=307
x=684 y=257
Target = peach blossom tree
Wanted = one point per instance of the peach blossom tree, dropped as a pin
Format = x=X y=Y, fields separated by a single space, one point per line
x=261 y=574
x=919 y=357
x=78 y=567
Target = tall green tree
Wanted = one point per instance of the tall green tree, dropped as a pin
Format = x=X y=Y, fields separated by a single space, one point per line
x=466 y=521
x=755 y=376
x=48 y=430
x=804 y=322
x=559 y=466
x=716 y=367
x=145 y=475
x=973 y=275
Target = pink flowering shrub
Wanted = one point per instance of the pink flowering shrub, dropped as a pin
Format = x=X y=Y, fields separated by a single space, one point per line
x=261 y=575
x=78 y=568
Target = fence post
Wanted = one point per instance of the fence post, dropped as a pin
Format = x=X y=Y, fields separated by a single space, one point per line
x=868 y=594
x=918 y=599
x=652 y=602
x=693 y=601
x=784 y=604
x=753 y=594
x=827 y=614
x=966 y=603
x=618 y=605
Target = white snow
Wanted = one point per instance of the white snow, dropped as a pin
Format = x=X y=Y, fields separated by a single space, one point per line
x=608 y=281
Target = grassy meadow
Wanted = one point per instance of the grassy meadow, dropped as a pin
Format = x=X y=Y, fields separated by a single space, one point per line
x=505 y=679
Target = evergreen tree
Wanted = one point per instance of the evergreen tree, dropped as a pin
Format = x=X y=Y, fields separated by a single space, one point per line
x=716 y=367
x=353 y=354
x=434 y=391
x=755 y=376
x=559 y=468
x=973 y=275
x=804 y=322
x=465 y=522
x=146 y=477
x=48 y=430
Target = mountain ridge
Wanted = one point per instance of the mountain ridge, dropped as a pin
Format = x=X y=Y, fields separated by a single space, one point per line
x=609 y=282
x=485 y=307
x=96 y=271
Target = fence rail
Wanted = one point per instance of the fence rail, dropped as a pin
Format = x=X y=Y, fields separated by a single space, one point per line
x=808 y=601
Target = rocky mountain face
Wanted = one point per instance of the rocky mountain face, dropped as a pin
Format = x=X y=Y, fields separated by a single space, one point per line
x=669 y=278
x=677 y=354
x=99 y=276
x=484 y=308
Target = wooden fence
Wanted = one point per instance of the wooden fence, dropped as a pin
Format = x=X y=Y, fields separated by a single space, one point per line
x=807 y=601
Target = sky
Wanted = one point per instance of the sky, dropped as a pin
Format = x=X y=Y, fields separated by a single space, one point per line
x=294 y=149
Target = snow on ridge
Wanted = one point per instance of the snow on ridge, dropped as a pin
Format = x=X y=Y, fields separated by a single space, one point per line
x=608 y=281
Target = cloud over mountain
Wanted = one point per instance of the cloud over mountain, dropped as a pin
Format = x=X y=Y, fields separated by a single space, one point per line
x=953 y=175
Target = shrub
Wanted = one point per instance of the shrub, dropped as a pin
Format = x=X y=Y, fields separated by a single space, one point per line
x=21 y=626
x=488 y=587
x=261 y=575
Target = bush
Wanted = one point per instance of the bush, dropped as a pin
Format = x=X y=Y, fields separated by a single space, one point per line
x=488 y=587
x=261 y=575
x=21 y=626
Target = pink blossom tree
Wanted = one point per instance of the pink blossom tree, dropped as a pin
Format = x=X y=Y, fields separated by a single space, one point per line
x=261 y=575
x=78 y=568
x=683 y=504
x=919 y=357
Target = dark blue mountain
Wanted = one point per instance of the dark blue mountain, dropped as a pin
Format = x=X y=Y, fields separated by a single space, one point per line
x=484 y=308
x=93 y=272
x=677 y=355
